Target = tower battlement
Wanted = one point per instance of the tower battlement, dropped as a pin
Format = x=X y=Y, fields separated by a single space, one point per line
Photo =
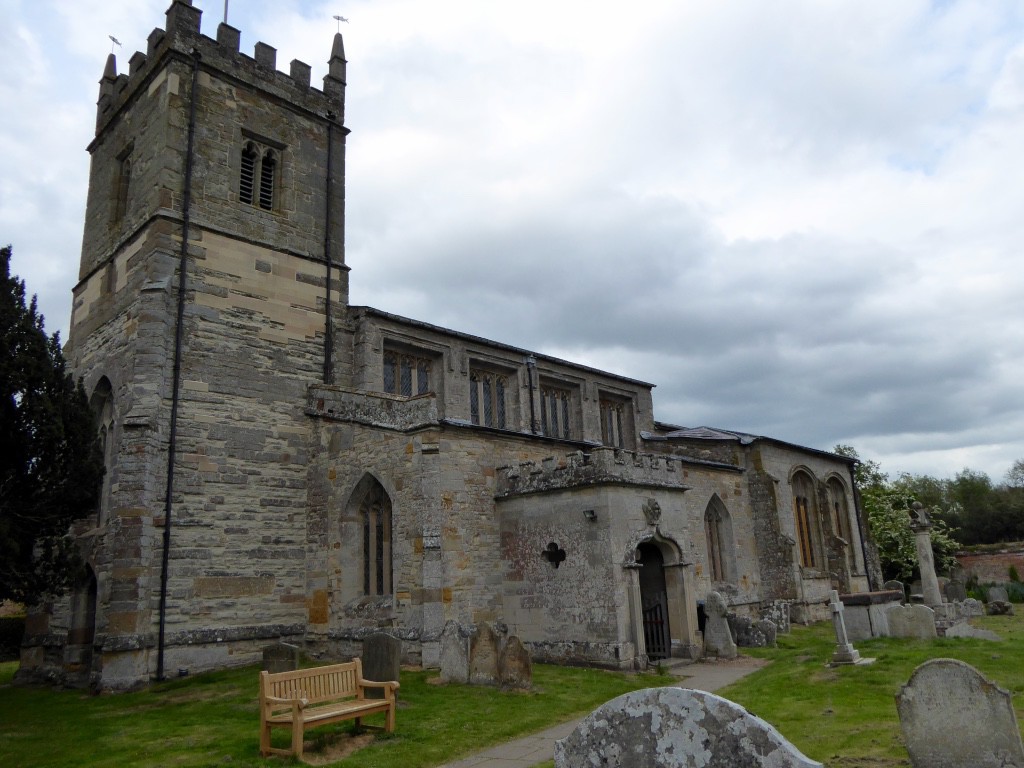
x=181 y=38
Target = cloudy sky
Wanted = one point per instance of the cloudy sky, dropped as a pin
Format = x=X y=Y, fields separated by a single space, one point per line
x=800 y=218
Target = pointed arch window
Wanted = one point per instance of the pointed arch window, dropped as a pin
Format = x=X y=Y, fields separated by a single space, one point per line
x=375 y=515
x=840 y=508
x=718 y=536
x=805 y=514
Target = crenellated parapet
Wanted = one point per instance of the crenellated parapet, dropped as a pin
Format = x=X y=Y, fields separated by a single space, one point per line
x=181 y=38
x=372 y=409
x=602 y=466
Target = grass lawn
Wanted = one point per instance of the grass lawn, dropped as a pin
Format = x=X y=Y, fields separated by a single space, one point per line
x=212 y=719
x=843 y=717
x=847 y=716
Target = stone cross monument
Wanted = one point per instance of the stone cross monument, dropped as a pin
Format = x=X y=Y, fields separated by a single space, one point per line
x=921 y=525
x=845 y=653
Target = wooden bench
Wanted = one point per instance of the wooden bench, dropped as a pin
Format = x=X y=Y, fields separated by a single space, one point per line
x=318 y=696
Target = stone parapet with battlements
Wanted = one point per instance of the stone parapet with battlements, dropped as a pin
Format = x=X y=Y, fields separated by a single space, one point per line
x=601 y=466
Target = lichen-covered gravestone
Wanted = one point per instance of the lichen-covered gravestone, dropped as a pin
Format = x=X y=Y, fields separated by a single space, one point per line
x=382 y=661
x=952 y=717
x=483 y=656
x=717 y=636
x=956 y=591
x=281 y=657
x=676 y=728
x=454 y=654
x=973 y=607
x=752 y=634
x=911 y=621
x=894 y=585
x=514 y=667
x=995 y=594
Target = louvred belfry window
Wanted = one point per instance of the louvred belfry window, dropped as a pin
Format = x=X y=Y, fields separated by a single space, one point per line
x=257 y=180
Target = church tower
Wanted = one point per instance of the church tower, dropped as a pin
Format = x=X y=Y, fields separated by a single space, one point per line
x=212 y=293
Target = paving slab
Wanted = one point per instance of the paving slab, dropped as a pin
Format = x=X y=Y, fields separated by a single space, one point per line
x=539 y=747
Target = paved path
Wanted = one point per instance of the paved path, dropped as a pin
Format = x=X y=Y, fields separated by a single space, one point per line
x=538 y=747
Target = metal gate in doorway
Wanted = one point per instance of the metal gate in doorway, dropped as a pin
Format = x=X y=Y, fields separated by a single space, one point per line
x=656 y=636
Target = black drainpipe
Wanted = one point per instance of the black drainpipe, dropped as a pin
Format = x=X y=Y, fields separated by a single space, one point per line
x=186 y=201
x=328 y=332
x=531 y=364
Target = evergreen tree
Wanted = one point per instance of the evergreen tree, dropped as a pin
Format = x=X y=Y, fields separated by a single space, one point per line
x=51 y=466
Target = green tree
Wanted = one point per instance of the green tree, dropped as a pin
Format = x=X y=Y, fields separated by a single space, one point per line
x=1015 y=474
x=50 y=461
x=886 y=506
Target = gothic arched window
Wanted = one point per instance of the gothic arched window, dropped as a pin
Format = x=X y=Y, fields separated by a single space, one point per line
x=375 y=515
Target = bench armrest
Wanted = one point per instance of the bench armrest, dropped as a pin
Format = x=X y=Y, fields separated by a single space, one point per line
x=389 y=686
x=300 y=702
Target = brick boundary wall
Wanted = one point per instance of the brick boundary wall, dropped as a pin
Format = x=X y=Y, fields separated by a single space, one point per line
x=991 y=566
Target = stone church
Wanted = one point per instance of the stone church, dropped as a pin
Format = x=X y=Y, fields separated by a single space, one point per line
x=283 y=465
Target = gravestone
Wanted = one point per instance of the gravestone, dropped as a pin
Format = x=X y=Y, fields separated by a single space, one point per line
x=752 y=634
x=973 y=607
x=997 y=593
x=963 y=629
x=892 y=586
x=514 y=667
x=999 y=608
x=911 y=621
x=281 y=657
x=676 y=728
x=717 y=636
x=956 y=591
x=777 y=612
x=454 y=654
x=952 y=717
x=844 y=652
x=382 y=661
x=483 y=656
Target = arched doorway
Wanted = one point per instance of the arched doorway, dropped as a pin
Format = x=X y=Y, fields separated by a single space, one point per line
x=654 y=601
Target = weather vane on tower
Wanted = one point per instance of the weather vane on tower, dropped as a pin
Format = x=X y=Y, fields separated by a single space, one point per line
x=340 y=19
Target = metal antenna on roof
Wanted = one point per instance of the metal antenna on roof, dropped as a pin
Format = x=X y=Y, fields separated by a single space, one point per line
x=225 y=11
x=340 y=19
x=113 y=41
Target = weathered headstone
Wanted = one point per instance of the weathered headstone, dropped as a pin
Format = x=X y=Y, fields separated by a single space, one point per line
x=777 y=612
x=844 y=653
x=717 y=637
x=956 y=591
x=999 y=608
x=997 y=593
x=752 y=634
x=382 y=661
x=963 y=629
x=676 y=728
x=514 y=667
x=973 y=607
x=281 y=657
x=483 y=656
x=454 y=654
x=911 y=621
x=893 y=585
x=952 y=717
